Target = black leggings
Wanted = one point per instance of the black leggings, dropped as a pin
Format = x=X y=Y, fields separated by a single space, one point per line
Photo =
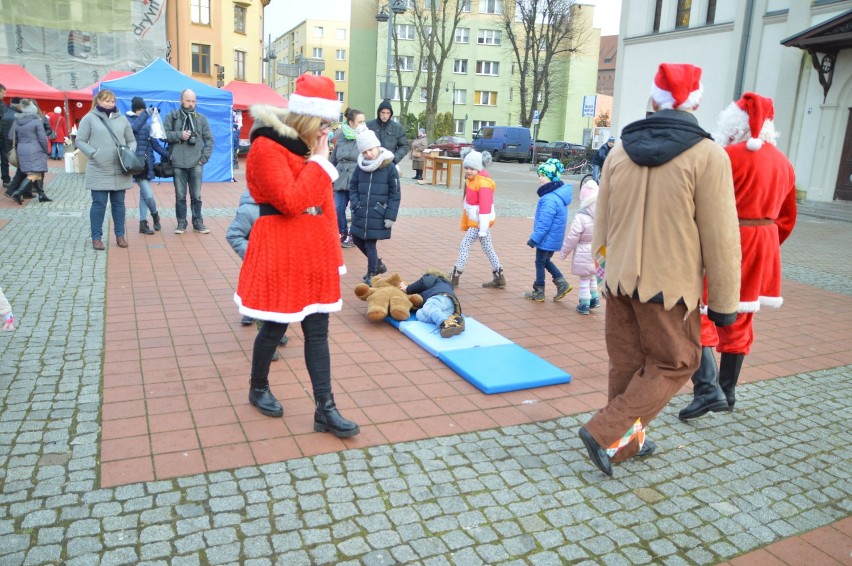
x=317 y=358
x=368 y=248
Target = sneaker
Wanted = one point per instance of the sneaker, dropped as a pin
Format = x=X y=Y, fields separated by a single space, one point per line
x=284 y=340
x=381 y=267
x=275 y=356
x=583 y=308
x=246 y=320
x=452 y=326
x=200 y=228
x=594 y=303
x=347 y=242
x=181 y=227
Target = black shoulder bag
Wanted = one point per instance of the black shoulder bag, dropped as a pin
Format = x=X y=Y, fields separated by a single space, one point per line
x=131 y=163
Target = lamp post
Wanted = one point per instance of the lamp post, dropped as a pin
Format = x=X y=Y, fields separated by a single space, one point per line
x=386 y=15
x=453 y=95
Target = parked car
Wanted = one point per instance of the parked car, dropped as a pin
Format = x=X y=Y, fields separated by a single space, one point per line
x=451 y=145
x=563 y=149
x=505 y=142
x=539 y=148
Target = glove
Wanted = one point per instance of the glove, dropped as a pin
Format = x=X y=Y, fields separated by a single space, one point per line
x=721 y=319
x=388 y=223
x=9 y=322
x=530 y=243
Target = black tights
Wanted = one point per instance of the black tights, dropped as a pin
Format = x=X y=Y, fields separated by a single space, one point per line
x=368 y=248
x=317 y=358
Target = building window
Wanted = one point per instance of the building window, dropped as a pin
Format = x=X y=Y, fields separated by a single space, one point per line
x=340 y=76
x=406 y=93
x=404 y=31
x=424 y=64
x=488 y=37
x=199 y=12
x=318 y=31
x=488 y=68
x=239 y=65
x=490 y=6
x=317 y=52
x=341 y=33
x=460 y=66
x=316 y=73
x=711 y=12
x=464 y=5
x=658 y=11
x=239 y=19
x=479 y=124
x=460 y=127
x=682 y=17
x=485 y=98
x=422 y=94
x=340 y=54
x=404 y=63
x=339 y=96
x=200 y=59
x=460 y=96
x=462 y=35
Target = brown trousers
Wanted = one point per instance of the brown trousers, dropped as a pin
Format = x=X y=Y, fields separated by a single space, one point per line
x=652 y=354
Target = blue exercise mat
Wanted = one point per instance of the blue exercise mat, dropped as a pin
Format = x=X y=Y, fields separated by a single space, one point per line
x=502 y=368
x=428 y=336
x=395 y=323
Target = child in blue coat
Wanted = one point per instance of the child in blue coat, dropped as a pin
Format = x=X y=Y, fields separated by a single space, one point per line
x=551 y=220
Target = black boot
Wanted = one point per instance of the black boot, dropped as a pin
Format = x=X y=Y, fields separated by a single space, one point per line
x=381 y=267
x=265 y=401
x=707 y=394
x=155 y=216
x=39 y=188
x=143 y=228
x=729 y=372
x=17 y=195
x=328 y=419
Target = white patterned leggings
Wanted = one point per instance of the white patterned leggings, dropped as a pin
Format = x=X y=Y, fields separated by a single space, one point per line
x=485 y=241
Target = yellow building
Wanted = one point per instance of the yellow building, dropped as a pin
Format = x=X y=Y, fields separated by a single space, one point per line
x=216 y=41
x=317 y=46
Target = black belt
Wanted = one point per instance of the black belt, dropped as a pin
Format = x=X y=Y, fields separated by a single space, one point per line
x=269 y=210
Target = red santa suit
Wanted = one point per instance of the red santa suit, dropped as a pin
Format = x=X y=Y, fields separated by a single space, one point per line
x=293 y=262
x=765 y=191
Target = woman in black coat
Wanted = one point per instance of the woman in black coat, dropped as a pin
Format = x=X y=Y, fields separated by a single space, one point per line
x=27 y=132
x=374 y=199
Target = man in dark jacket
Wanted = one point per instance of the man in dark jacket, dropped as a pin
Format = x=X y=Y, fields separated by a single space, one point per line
x=6 y=121
x=600 y=157
x=391 y=134
x=191 y=145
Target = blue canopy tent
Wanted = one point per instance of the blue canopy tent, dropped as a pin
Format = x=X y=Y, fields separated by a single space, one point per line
x=160 y=85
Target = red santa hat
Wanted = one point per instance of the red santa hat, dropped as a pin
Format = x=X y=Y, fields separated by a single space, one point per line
x=677 y=86
x=760 y=110
x=315 y=96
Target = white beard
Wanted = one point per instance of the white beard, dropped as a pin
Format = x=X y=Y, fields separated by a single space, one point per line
x=732 y=127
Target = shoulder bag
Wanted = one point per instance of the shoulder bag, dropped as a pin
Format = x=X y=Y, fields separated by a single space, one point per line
x=131 y=163
x=13 y=153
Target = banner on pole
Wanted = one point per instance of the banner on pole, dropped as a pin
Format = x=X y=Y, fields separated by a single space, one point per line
x=589 y=104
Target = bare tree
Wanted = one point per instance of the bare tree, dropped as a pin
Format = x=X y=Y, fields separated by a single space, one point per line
x=543 y=35
x=435 y=23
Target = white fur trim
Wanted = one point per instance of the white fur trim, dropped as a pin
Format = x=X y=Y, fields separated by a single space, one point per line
x=313 y=106
x=326 y=165
x=288 y=317
x=751 y=306
x=753 y=144
x=272 y=116
x=341 y=270
x=703 y=309
x=774 y=302
x=665 y=100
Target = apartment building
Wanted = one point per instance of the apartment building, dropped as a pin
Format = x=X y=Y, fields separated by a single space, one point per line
x=317 y=46
x=216 y=41
x=606 y=64
x=793 y=51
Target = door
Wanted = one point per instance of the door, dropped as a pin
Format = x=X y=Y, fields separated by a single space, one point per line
x=843 y=189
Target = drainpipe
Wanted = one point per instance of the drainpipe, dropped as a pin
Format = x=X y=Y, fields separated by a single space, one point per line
x=741 y=62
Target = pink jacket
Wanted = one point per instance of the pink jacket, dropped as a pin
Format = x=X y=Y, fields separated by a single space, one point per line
x=579 y=240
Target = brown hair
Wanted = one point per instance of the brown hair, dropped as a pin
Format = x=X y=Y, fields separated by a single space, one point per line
x=105 y=94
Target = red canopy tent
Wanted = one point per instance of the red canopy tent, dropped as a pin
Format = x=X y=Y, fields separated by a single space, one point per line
x=246 y=94
x=20 y=83
x=78 y=99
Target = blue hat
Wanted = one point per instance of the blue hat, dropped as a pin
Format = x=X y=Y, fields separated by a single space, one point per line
x=552 y=169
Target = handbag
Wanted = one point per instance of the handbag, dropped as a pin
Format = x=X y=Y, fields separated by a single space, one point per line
x=13 y=153
x=130 y=162
x=164 y=169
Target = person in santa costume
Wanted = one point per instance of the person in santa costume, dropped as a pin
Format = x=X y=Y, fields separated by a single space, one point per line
x=765 y=190
x=665 y=217
x=292 y=267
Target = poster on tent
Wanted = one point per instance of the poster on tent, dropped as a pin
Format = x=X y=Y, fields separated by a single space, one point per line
x=71 y=44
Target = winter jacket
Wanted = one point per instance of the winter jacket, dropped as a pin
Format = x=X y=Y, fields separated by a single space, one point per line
x=345 y=159
x=293 y=262
x=32 y=145
x=551 y=215
x=103 y=173
x=417 y=147
x=238 y=232
x=667 y=217
x=430 y=285
x=57 y=125
x=478 y=203
x=579 y=240
x=391 y=134
x=374 y=197
x=600 y=155
x=183 y=154
x=6 y=125
x=145 y=144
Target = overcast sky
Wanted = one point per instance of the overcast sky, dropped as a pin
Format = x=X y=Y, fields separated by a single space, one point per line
x=282 y=15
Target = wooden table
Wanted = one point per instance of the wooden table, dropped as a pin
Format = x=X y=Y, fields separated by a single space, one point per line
x=442 y=167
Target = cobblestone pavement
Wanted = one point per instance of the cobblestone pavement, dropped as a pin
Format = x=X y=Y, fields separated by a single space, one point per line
x=717 y=488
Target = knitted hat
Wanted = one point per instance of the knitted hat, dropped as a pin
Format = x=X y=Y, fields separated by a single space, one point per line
x=365 y=138
x=138 y=103
x=760 y=111
x=15 y=100
x=315 y=96
x=552 y=169
x=28 y=107
x=588 y=190
x=677 y=86
x=57 y=110
x=473 y=160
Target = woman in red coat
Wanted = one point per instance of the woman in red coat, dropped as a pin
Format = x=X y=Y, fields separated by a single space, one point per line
x=291 y=271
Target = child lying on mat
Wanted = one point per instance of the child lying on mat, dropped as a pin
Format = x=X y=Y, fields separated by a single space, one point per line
x=441 y=305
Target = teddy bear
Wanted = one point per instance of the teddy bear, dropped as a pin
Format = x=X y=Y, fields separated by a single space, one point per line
x=386 y=297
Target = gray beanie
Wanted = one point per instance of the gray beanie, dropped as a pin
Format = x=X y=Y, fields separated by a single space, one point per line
x=28 y=107
x=365 y=138
x=473 y=160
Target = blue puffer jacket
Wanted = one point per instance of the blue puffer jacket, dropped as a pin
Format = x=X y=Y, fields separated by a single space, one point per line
x=145 y=144
x=374 y=197
x=551 y=215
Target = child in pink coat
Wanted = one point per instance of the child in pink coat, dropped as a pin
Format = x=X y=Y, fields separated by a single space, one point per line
x=579 y=240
